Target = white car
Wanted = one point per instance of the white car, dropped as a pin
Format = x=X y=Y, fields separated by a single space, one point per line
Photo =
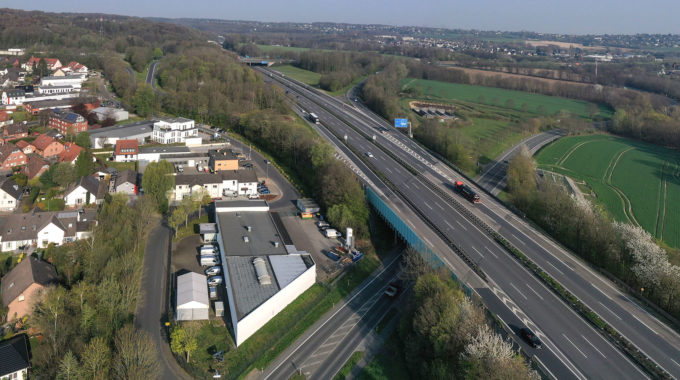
x=214 y=280
x=213 y=271
x=369 y=154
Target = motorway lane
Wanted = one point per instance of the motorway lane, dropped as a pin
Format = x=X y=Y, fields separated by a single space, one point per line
x=659 y=342
x=573 y=335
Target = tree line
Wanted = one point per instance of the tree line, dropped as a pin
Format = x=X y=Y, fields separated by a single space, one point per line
x=444 y=335
x=86 y=320
x=625 y=251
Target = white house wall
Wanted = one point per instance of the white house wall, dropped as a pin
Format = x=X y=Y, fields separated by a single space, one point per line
x=78 y=193
x=50 y=234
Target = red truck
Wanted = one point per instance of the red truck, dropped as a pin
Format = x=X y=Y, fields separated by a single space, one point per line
x=467 y=192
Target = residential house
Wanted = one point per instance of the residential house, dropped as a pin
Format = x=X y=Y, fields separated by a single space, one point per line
x=13 y=132
x=68 y=122
x=126 y=150
x=60 y=72
x=22 y=286
x=34 y=107
x=35 y=167
x=223 y=159
x=76 y=67
x=175 y=130
x=51 y=63
x=25 y=146
x=15 y=356
x=126 y=182
x=10 y=194
x=86 y=191
x=106 y=174
x=70 y=153
x=11 y=156
x=216 y=185
x=13 y=97
x=46 y=146
x=5 y=119
x=39 y=228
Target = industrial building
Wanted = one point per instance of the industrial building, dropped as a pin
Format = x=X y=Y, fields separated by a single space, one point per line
x=263 y=271
x=139 y=131
x=192 y=303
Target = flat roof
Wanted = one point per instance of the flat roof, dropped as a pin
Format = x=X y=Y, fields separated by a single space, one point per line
x=124 y=130
x=248 y=293
x=261 y=237
x=164 y=149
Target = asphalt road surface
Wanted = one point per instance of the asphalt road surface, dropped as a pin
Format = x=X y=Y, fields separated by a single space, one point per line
x=151 y=75
x=572 y=347
x=493 y=178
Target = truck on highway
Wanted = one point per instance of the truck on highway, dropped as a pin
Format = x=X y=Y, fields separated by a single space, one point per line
x=314 y=118
x=467 y=192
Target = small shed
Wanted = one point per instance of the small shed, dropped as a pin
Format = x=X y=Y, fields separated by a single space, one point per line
x=219 y=308
x=307 y=205
x=208 y=232
x=192 y=297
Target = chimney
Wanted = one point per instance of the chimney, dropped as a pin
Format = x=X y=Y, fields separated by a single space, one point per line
x=249 y=228
x=276 y=244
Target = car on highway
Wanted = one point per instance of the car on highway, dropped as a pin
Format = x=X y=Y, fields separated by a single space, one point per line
x=530 y=338
x=213 y=271
x=214 y=280
x=392 y=289
x=369 y=154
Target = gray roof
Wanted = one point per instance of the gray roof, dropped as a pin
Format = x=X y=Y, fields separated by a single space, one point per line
x=22 y=227
x=88 y=183
x=175 y=119
x=140 y=128
x=207 y=228
x=192 y=287
x=164 y=150
x=289 y=267
x=127 y=175
x=29 y=271
x=14 y=354
x=261 y=237
x=248 y=293
x=242 y=176
x=11 y=188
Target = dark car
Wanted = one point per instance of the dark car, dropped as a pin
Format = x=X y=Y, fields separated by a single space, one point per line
x=530 y=338
x=392 y=289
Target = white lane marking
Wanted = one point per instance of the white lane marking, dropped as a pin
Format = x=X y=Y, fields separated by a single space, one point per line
x=394 y=260
x=520 y=240
x=427 y=241
x=599 y=290
x=575 y=346
x=440 y=206
x=554 y=267
x=614 y=314
x=461 y=226
x=449 y=224
x=532 y=289
x=491 y=252
x=638 y=319
x=501 y=319
x=389 y=170
x=545 y=367
x=479 y=253
x=591 y=345
x=428 y=206
x=518 y=291
x=676 y=363
x=416 y=185
x=405 y=185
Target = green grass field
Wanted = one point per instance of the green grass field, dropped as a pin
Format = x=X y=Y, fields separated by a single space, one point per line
x=309 y=77
x=503 y=98
x=638 y=183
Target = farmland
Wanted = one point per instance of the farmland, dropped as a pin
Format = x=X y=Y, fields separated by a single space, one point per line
x=636 y=182
x=515 y=100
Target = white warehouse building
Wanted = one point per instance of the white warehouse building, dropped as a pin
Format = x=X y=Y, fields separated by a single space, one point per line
x=263 y=271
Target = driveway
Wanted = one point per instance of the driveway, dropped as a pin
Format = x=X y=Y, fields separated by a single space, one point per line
x=150 y=314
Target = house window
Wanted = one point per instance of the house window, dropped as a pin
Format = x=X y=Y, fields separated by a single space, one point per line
x=21 y=298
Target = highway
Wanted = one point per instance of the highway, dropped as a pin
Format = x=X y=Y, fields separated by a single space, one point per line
x=569 y=339
x=493 y=178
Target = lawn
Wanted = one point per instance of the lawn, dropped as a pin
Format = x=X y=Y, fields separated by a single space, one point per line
x=388 y=363
x=347 y=368
x=636 y=182
x=516 y=100
x=309 y=77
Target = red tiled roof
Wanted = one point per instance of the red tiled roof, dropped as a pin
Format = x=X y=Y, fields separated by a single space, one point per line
x=127 y=144
x=4 y=116
x=22 y=144
x=42 y=142
x=70 y=152
x=35 y=166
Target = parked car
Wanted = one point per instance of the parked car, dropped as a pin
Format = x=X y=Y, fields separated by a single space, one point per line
x=253 y=196
x=214 y=280
x=369 y=154
x=213 y=271
x=322 y=224
x=530 y=338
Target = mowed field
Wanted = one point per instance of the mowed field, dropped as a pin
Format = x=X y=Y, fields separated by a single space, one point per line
x=500 y=97
x=637 y=183
x=309 y=77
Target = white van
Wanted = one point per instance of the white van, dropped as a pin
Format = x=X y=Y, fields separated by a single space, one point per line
x=207 y=261
x=208 y=250
x=331 y=233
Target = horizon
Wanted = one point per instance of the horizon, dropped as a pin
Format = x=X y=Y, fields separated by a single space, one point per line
x=607 y=17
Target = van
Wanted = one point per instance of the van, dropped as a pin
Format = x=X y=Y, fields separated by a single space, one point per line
x=207 y=261
x=208 y=250
x=322 y=224
x=330 y=233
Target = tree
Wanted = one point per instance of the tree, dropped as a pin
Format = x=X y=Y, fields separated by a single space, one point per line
x=83 y=140
x=157 y=53
x=157 y=182
x=183 y=340
x=69 y=368
x=521 y=177
x=177 y=217
x=63 y=174
x=84 y=164
x=96 y=359
x=136 y=355
x=144 y=100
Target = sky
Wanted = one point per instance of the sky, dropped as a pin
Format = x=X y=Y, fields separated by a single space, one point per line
x=544 y=16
